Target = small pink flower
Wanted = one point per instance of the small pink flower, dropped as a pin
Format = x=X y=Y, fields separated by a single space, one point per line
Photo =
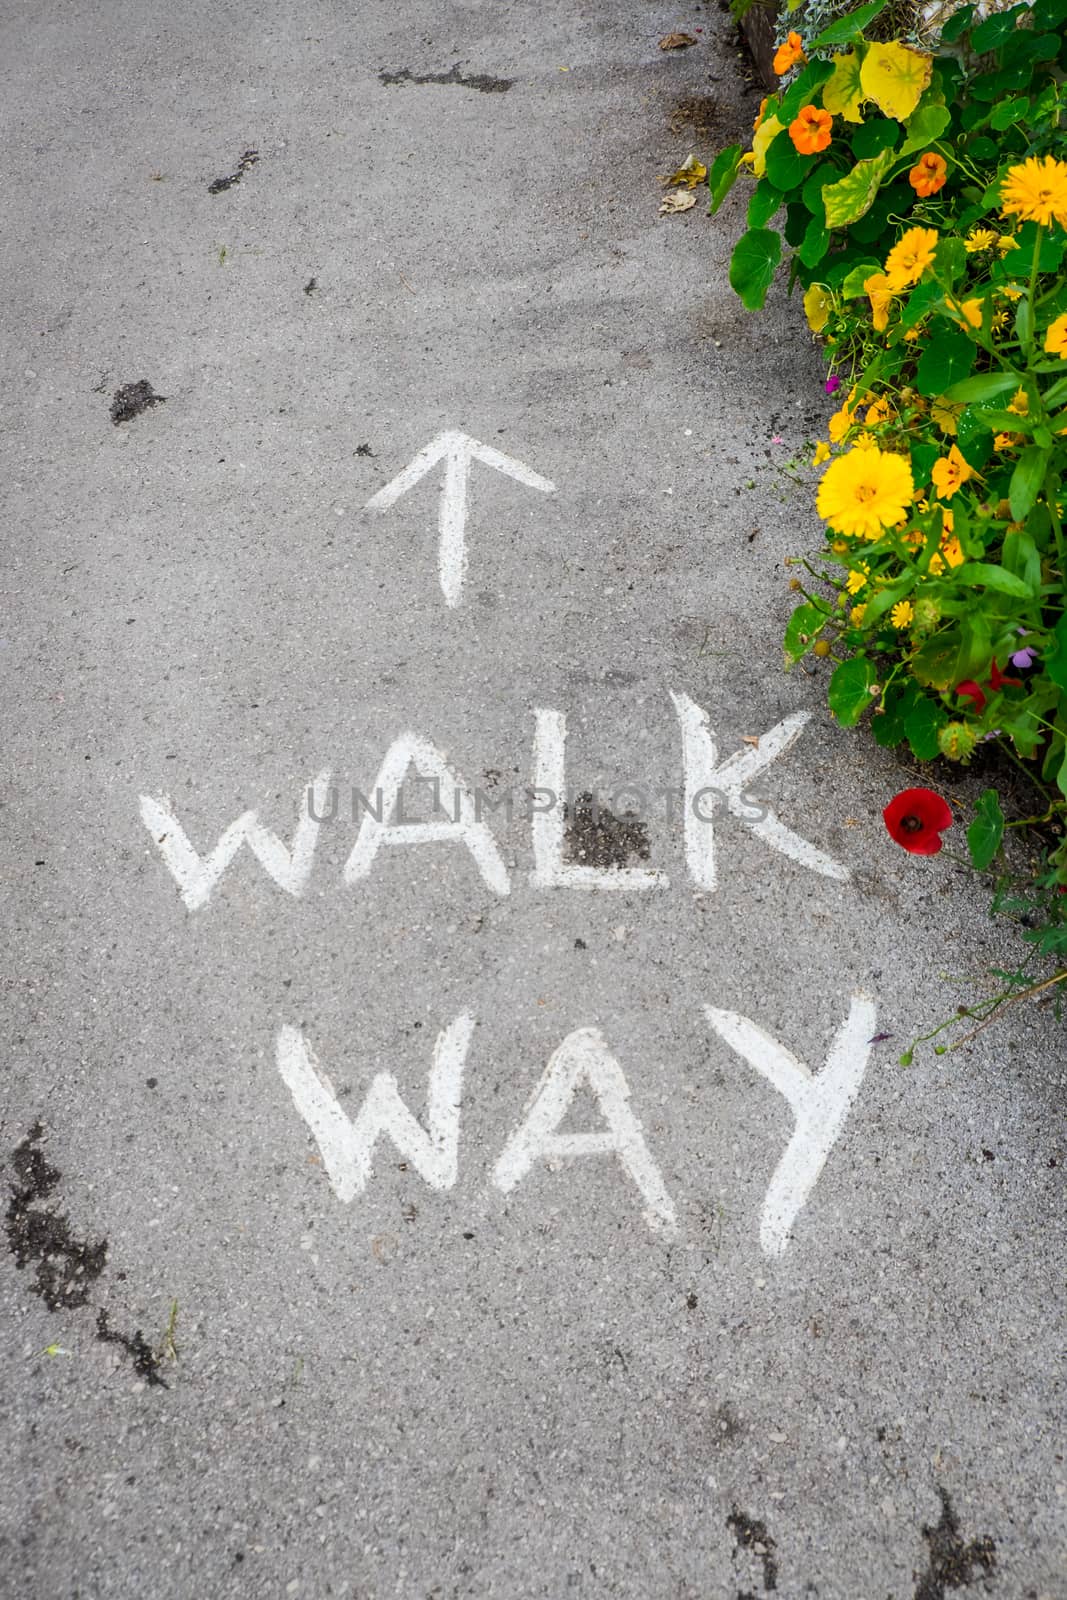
x=776 y=438
x=833 y=384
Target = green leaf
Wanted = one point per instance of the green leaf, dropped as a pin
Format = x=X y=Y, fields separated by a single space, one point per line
x=852 y=196
x=850 y=27
x=811 y=194
x=801 y=91
x=857 y=277
x=849 y=693
x=786 y=167
x=993 y=577
x=958 y=22
x=753 y=265
x=921 y=727
x=801 y=632
x=1008 y=111
x=920 y=302
x=815 y=243
x=1049 y=14
x=950 y=259
x=1056 y=664
x=925 y=125
x=986 y=831
x=971 y=428
x=1027 y=480
x=765 y=201
x=985 y=387
x=995 y=29
x=723 y=172
x=874 y=136
x=947 y=360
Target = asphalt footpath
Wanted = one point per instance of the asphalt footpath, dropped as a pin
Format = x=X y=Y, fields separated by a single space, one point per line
x=453 y=1136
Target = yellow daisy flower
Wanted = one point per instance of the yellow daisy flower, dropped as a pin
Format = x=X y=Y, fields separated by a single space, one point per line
x=857 y=614
x=1056 y=337
x=910 y=257
x=857 y=579
x=866 y=491
x=902 y=614
x=1020 y=405
x=977 y=239
x=1036 y=191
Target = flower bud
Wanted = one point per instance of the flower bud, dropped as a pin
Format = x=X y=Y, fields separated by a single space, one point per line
x=957 y=741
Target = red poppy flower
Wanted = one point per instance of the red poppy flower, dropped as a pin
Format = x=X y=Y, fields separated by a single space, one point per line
x=971 y=689
x=915 y=819
x=997 y=680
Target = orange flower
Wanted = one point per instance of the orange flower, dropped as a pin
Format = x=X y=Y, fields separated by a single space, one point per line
x=788 y=55
x=811 y=130
x=928 y=174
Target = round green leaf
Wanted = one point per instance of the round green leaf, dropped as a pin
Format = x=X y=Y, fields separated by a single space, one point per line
x=849 y=694
x=753 y=265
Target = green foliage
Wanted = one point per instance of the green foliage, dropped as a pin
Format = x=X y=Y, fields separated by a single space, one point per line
x=935 y=281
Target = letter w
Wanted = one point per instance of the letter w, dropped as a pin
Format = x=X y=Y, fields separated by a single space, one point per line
x=196 y=875
x=348 y=1147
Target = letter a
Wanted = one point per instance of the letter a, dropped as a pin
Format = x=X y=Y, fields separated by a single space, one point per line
x=348 y=1147
x=584 y=1058
x=820 y=1104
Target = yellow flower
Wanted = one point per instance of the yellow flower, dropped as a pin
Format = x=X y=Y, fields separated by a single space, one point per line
x=1056 y=337
x=881 y=298
x=1005 y=441
x=969 y=312
x=1010 y=291
x=759 y=119
x=952 y=551
x=865 y=491
x=762 y=139
x=977 y=239
x=914 y=333
x=902 y=614
x=857 y=614
x=950 y=473
x=999 y=322
x=857 y=579
x=945 y=414
x=842 y=420
x=817 y=306
x=1036 y=191
x=1006 y=243
x=910 y=257
x=948 y=521
x=1020 y=404
x=822 y=453
x=881 y=411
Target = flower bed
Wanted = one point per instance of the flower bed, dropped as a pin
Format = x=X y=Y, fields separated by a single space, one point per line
x=922 y=199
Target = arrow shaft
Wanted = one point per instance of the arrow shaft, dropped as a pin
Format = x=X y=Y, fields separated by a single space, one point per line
x=452 y=525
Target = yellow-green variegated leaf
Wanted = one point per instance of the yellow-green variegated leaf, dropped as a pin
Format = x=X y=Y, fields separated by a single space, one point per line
x=853 y=195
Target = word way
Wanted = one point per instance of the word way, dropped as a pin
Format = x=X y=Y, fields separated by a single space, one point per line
x=820 y=1103
x=458 y=819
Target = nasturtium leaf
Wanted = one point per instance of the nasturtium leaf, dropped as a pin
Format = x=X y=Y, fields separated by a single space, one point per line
x=958 y=22
x=852 y=196
x=950 y=259
x=722 y=174
x=857 y=277
x=1050 y=13
x=971 y=429
x=995 y=29
x=1008 y=111
x=894 y=76
x=850 y=27
x=982 y=149
x=753 y=265
x=921 y=726
x=947 y=359
x=1026 y=480
x=923 y=457
x=801 y=631
x=842 y=93
x=815 y=243
x=888 y=722
x=849 y=693
x=786 y=167
x=765 y=201
x=802 y=91
x=927 y=123
x=986 y=831
x=811 y=194
x=874 y=136
x=920 y=302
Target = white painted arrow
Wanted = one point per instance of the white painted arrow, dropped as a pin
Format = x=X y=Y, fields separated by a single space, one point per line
x=457 y=451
